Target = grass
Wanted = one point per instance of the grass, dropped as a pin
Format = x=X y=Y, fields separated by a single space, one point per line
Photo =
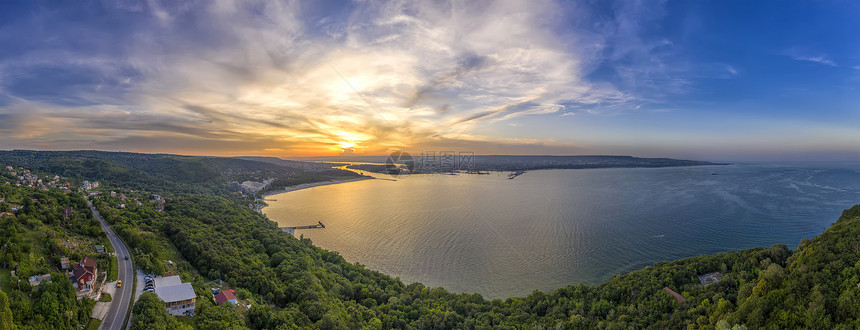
x=6 y=280
x=113 y=272
x=94 y=324
x=105 y=297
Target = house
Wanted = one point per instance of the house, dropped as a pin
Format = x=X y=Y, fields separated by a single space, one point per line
x=84 y=274
x=179 y=298
x=64 y=262
x=2 y=214
x=14 y=207
x=100 y=248
x=35 y=280
x=67 y=212
x=678 y=298
x=225 y=296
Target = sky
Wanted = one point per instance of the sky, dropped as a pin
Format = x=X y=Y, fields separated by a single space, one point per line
x=711 y=80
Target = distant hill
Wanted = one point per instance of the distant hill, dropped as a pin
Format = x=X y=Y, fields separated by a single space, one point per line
x=439 y=163
x=163 y=172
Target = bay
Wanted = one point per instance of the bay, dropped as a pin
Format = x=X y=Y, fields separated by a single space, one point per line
x=550 y=228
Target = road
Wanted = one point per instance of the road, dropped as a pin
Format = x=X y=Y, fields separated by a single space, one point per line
x=120 y=302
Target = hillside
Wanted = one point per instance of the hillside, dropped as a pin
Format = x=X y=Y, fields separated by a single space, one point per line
x=38 y=234
x=162 y=173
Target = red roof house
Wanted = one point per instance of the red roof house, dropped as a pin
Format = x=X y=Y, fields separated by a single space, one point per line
x=84 y=274
x=678 y=297
x=225 y=296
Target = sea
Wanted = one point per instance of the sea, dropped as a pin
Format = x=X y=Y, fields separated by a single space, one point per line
x=547 y=229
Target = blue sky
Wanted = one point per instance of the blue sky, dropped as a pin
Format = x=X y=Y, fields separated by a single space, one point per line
x=721 y=80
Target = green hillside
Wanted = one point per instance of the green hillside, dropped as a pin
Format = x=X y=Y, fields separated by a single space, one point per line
x=161 y=173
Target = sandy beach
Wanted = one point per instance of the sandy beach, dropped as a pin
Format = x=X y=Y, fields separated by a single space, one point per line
x=311 y=185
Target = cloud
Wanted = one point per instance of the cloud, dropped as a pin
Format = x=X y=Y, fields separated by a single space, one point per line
x=817 y=59
x=731 y=70
x=290 y=78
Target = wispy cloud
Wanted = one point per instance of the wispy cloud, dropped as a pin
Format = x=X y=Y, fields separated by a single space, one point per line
x=820 y=59
x=290 y=78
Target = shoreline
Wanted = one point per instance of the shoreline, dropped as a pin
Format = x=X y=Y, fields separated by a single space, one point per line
x=310 y=185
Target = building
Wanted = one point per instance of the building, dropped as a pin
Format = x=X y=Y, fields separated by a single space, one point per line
x=100 y=248
x=178 y=297
x=225 y=296
x=35 y=280
x=67 y=212
x=84 y=274
x=678 y=298
x=64 y=262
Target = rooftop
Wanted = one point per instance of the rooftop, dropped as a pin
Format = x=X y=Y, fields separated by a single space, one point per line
x=224 y=296
x=167 y=281
x=180 y=292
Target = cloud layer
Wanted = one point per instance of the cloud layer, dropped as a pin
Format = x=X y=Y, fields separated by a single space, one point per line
x=285 y=78
x=298 y=78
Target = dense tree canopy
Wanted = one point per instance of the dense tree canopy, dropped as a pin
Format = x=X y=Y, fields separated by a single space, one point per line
x=149 y=314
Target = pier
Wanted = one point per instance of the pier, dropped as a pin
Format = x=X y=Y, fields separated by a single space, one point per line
x=292 y=230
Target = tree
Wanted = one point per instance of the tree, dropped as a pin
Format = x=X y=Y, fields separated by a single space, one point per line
x=5 y=313
x=150 y=313
x=220 y=317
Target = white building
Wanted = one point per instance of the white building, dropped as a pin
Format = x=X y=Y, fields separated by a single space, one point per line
x=179 y=297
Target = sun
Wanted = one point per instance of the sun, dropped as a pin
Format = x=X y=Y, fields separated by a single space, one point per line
x=346 y=145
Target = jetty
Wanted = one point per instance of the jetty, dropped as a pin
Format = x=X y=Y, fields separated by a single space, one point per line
x=515 y=174
x=292 y=230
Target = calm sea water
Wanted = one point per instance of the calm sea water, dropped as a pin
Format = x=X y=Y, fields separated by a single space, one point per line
x=551 y=228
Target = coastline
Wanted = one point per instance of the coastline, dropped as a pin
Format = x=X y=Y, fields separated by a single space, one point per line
x=311 y=185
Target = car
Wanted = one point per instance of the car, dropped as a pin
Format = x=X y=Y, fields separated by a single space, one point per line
x=119 y=284
x=126 y=257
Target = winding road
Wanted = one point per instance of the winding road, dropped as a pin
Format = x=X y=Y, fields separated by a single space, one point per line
x=121 y=299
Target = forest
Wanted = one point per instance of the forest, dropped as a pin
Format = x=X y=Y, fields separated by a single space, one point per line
x=290 y=283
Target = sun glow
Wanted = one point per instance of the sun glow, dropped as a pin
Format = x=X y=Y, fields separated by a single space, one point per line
x=346 y=145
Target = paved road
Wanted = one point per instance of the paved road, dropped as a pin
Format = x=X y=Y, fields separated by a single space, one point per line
x=119 y=307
